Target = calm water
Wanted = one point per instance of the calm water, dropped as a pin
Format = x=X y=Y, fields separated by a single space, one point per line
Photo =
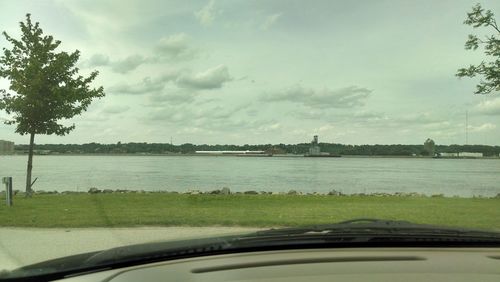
x=466 y=177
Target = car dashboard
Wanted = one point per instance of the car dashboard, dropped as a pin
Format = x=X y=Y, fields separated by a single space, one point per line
x=349 y=264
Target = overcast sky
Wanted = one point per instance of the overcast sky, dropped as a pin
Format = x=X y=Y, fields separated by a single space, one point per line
x=219 y=72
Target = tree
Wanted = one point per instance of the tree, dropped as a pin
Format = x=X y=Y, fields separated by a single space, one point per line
x=46 y=86
x=488 y=71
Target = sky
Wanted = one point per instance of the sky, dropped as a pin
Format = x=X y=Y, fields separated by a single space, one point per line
x=258 y=72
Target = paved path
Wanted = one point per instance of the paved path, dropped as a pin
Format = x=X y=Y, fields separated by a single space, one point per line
x=22 y=246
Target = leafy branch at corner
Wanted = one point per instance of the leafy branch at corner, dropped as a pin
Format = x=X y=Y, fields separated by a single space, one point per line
x=45 y=86
x=488 y=71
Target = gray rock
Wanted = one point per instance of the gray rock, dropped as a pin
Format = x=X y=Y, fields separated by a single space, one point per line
x=107 y=191
x=225 y=191
x=292 y=192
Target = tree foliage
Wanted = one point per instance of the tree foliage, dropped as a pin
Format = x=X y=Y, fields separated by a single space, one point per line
x=488 y=71
x=45 y=84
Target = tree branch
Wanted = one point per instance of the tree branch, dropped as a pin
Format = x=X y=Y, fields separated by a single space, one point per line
x=494 y=25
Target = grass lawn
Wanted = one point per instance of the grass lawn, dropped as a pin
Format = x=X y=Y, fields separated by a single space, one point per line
x=162 y=209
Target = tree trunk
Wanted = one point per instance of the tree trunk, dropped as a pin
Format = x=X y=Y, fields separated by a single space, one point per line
x=29 y=192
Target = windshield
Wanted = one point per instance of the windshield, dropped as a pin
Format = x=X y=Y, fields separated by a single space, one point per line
x=128 y=122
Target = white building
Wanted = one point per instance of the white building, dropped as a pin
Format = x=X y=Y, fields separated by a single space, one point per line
x=231 y=152
x=470 y=155
x=448 y=155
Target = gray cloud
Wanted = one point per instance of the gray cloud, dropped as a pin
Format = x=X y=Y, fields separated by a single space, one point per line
x=115 y=109
x=175 y=47
x=437 y=125
x=128 y=64
x=419 y=118
x=270 y=20
x=488 y=107
x=377 y=120
x=212 y=118
x=171 y=114
x=482 y=128
x=422 y=122
x=147 y=85
x=188 y=82
x=410 y=101
x=310 y=114
x=252 y=112
x=207 y=101
x=340 y=116
x=206 y=15
x=255 y=127
x=348 y=97
x=210 y=79
x=174 y=98
x=97 y=60
x=219 y=112
x=260 y=125
x=368 y=115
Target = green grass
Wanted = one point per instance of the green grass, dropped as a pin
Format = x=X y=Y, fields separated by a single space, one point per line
x=161 y=209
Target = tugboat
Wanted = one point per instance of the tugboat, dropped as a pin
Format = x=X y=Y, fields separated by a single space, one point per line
x=315 y=151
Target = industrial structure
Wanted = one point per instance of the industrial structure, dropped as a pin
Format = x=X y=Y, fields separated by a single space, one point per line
x=6 y=147
x=314 y=149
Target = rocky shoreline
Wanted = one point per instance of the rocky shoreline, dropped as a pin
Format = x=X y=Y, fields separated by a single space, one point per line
x=227 y=191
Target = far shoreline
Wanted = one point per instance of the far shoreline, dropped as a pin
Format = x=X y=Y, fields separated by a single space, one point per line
x=256 y=156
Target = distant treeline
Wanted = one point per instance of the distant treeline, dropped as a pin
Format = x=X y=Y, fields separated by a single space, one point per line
x=302 y=148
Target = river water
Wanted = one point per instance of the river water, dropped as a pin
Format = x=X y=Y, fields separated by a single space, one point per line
x=451 y=177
